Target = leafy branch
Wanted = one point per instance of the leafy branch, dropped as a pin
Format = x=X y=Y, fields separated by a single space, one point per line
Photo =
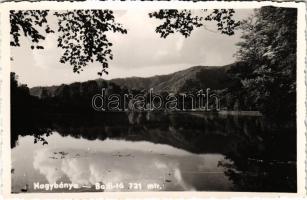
x=184 y=21
x=82 y=34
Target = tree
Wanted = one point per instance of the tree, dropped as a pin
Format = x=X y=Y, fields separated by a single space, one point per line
x=82 y=34
x=268 y=49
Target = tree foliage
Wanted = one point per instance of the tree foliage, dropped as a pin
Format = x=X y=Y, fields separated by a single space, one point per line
x=184 y=21
x=83 y=37
x=29 y=23
x=268 y=51
x=82 y=34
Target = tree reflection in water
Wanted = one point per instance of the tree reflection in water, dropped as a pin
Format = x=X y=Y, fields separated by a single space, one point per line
x=260 y=155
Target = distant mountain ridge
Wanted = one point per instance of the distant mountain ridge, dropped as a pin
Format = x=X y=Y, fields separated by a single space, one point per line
x=201 y=77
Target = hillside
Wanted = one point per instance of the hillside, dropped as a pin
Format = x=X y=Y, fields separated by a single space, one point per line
x=197 y=77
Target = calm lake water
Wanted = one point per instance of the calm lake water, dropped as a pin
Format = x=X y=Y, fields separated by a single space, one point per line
x=154 y=152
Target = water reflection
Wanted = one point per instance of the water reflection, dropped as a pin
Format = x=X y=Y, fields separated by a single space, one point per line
x=183 y=151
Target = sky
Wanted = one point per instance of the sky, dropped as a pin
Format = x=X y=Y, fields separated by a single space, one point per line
x=140 y=53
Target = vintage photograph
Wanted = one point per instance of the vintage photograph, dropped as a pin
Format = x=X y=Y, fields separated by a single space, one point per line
x=153 y=100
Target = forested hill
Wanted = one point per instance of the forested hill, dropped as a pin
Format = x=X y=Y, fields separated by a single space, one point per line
x=197 y=77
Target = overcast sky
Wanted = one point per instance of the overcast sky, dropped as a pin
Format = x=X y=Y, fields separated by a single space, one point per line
x=141 y=52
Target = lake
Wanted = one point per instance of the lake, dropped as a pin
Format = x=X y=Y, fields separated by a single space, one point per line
x=153 y=152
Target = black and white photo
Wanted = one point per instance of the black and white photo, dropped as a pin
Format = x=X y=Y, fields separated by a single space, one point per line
x=156 y=100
